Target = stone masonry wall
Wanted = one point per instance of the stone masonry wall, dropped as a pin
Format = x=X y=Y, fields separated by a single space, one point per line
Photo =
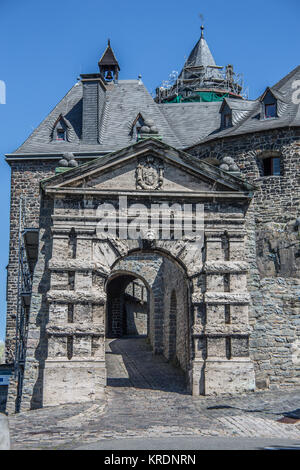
x=25 y=183
x=274 y=282
x=176 y=321
x=25 y=179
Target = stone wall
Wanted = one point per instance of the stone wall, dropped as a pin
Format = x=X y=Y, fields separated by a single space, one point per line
x=176 y=317
x=273 y=280
x=25 y=181
x=25 y=191
x=136 y=306
x=137 y=317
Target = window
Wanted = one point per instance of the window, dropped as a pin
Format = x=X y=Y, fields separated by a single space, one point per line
x=270 y=110
x=60 y=134
x=271 y=166
x=227 y=120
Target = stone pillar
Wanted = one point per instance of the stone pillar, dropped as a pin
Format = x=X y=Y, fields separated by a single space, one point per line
x=221 y=333
x=75 y=370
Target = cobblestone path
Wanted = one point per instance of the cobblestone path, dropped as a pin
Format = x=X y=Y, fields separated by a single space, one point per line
x=146 y=396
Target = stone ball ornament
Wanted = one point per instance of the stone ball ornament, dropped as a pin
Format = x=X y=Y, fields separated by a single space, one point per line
x=224 y=167
x=234 y=167
x=149 y=122
x=68 y=160
x=73 y=163
x=228 y=164
x=228 y=160
x=63 y=162
x=149 y=127
x=68 y=155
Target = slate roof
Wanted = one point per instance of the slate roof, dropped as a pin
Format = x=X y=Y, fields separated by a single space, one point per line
x=181 y=125
x=289 y=112
x=123 y=103
x=201 y=56
x=192 y=121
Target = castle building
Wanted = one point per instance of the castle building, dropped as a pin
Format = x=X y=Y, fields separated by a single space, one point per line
x=212 y=279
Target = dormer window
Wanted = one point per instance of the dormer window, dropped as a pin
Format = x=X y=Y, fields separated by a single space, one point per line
x=268 y=105
x=61 y=130
x=136 y=126
x=226 y=115
x=60 y=134
x=270 y=110
x=227 y=120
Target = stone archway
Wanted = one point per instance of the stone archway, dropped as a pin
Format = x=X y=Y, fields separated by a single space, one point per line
x=168 y=322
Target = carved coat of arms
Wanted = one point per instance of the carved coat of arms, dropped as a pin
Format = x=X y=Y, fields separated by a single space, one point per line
x=149 y=173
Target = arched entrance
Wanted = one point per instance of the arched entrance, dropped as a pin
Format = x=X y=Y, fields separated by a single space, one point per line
x=147 y=318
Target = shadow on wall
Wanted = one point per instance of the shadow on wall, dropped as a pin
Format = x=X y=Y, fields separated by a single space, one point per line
x=42 y=316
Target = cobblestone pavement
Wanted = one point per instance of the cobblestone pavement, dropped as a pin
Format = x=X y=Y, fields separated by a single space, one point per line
x=147 y=397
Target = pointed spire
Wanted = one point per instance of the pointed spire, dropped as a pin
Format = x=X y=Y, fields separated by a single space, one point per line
x=200 y=55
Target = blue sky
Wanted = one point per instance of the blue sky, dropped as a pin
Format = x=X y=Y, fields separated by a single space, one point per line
x=45 y=45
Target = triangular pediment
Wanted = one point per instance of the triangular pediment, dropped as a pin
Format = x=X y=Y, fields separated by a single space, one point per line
x=148 y=165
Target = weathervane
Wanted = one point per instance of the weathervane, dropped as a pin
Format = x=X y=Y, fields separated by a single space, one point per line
x=202 y=21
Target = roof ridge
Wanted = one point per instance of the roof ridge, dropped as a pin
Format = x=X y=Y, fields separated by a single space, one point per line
x=282 y=82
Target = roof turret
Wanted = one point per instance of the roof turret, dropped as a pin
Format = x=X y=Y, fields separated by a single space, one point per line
x=201 y=56
x=108 y=64
x=201 y=78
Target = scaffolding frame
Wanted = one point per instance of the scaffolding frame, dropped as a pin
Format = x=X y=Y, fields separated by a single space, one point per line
x=27 y=255
x=192 y=80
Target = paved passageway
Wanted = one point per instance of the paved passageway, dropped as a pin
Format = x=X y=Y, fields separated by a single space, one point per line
x=146 y=399
x=131 y=363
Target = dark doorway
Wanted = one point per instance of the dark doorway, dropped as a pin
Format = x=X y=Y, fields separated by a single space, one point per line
x=127 y=307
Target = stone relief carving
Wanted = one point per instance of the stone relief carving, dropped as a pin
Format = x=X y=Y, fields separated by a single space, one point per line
x=149 y=173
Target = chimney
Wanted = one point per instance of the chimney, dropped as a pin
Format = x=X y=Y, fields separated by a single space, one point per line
x=94 y=93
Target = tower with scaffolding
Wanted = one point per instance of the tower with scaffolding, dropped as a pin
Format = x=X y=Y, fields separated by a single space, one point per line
x=201 y=80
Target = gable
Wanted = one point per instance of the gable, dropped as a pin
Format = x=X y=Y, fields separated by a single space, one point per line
x=148 y=165
x=126 y=177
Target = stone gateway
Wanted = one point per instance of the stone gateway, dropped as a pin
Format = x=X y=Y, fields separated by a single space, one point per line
x=175 y=218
